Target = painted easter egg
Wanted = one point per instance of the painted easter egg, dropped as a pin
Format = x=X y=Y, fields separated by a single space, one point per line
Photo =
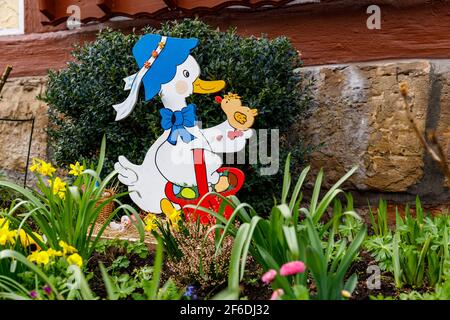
x=222 y=185
x=188 y=193
x=232 y=179
x=125 y=220
x=176 y=189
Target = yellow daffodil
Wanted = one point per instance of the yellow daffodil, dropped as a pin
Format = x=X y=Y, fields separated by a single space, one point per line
x=58 y=187
x=76 y=169
x=47 y=169
x=24 y=238
x=174 y=218
x=39 y=257
x=67 y=249
x=7 y=237
x=75 y=259
x=4 y=238
x=171 y=213
x=150 y=222
x=27 y=241
x=35 y=165
x=42 y=167
x=54 y=253
x=4 y=224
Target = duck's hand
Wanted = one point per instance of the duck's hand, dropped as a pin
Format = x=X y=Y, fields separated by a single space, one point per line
x=127 y=173
x=225 y=139
x=235 y=134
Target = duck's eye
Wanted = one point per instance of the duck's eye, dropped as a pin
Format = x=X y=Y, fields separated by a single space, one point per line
x=186 y=74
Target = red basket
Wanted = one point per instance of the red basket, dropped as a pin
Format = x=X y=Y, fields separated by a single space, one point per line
x=211 y=201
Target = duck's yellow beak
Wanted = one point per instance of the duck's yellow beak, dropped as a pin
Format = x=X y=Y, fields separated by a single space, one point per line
x=203 y=87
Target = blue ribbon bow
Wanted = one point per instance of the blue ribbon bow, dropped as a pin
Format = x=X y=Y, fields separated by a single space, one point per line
x=177 y=121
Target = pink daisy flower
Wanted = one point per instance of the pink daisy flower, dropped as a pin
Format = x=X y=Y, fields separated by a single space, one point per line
x=269 y=276
x=292 y=268
x=277 y=294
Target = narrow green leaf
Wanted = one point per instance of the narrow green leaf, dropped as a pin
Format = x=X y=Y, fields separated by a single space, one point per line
x=111 y=289
x=286 y=180
x=298 y=187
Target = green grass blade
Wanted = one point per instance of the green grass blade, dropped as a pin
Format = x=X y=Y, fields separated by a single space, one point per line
x=236 y=252
x=298 y=187
x=154 y=286
x=111 y=289
x=286 y=180
x=316 y=193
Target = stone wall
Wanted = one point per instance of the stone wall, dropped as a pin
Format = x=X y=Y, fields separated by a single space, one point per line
x=19 y=102
x=358 y=118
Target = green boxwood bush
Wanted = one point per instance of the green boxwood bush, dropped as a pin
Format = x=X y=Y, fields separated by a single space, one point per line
x=260 y=70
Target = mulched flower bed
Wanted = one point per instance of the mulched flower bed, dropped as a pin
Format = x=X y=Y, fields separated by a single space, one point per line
x=387 y=289
x=111 y=254
x=362 y=292
x=252 y=287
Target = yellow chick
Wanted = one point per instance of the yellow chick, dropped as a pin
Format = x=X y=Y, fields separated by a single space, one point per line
x=240 y=117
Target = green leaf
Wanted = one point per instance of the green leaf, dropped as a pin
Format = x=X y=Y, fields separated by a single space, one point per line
x=291 y=239
x=396 y=261
x=298 y=187
x=316 y=193
x=351 y=283
x=285 y=211
x=286 y=180
x=111 y=289
x=154 y=286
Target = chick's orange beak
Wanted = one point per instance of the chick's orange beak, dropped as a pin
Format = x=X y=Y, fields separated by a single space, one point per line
x=204 y=87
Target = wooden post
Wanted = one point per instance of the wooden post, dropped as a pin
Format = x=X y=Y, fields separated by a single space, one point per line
x=5 y=77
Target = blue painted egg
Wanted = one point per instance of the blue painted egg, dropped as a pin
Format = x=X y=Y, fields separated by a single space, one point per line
x=176 y=189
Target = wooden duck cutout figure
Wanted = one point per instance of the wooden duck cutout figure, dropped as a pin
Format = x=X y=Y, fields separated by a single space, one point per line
x=168 y=69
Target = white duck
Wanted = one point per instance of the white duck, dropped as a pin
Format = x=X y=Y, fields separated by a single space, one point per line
x=170 y=158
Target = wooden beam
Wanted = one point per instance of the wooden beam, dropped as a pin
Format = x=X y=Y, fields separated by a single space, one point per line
x=34 y=18
x=47 y=7
x=57 y=10
x=323 y=37
x=216 y=5
x=102 y=10
x=132 y=8
x=34 y=54
x=171 y=4
x=106 y=5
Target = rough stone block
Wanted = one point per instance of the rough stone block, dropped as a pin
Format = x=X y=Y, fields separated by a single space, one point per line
x=19 y=101
x=358 y=118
